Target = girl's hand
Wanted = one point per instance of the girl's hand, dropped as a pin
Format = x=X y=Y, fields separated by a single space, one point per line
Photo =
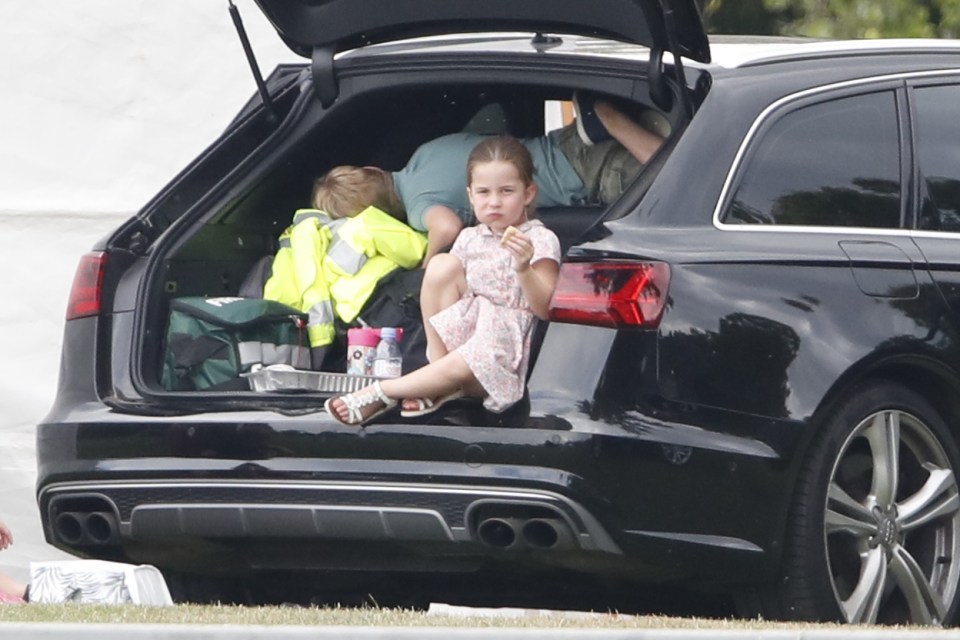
x=520 y=247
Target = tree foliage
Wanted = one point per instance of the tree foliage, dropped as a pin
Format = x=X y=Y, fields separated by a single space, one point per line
x=836 y=18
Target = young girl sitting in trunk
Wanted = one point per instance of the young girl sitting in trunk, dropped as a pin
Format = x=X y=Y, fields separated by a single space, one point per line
x=480 y=299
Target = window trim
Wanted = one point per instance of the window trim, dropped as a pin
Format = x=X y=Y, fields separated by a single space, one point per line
x=917 y=181
x=896 y=82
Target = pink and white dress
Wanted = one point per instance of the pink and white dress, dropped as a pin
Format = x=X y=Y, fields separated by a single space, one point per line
x=490 y=325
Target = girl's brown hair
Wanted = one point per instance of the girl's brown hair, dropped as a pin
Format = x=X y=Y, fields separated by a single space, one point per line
x=504 y=149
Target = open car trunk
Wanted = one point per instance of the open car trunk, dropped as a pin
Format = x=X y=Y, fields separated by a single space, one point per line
x=379 y=119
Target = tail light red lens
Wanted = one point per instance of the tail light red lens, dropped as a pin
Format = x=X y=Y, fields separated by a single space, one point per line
x=611 y=294
x=87 y=289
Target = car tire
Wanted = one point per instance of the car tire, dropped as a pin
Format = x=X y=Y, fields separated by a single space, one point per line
x=874 y=529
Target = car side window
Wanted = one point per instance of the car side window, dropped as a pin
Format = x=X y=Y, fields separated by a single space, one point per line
x=833 y=163
x=938 y=156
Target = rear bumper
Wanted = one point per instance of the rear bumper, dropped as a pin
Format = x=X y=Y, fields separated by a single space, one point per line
x=158 y=511
x=256 y=490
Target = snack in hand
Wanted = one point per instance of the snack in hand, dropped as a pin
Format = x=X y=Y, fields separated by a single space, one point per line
x=508 y=233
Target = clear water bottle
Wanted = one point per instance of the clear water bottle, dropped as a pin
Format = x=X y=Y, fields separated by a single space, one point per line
x=388 y=363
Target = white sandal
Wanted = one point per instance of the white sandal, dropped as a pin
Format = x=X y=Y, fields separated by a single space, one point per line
x=426 y=406
x=357 y=401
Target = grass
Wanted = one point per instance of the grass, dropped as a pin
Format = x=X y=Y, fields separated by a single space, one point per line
x=370 y=616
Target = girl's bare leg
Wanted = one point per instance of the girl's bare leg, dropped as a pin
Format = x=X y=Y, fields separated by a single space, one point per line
x=444 y=282
x=434 y=380
x=439 y=378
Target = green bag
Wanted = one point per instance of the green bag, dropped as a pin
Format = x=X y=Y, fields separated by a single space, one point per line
x=211 y=341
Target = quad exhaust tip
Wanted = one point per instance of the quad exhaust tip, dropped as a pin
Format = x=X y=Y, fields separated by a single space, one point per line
x=94 y=528
x=514 y=533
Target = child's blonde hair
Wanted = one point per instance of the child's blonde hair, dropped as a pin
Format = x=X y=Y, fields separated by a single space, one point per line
x=346 y=190
x=504 y=149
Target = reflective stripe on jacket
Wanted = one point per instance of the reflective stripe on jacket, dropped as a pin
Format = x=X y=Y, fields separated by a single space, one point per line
x=327 y=266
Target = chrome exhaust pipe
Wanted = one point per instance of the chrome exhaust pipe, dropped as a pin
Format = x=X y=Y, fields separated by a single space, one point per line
x=69 y=527
x=93 y=528
x=101 y=527
x=540 y=533
x=498 y=532
x=547 y=533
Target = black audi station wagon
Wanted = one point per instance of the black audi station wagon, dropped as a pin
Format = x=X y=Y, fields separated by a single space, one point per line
x=749 y=387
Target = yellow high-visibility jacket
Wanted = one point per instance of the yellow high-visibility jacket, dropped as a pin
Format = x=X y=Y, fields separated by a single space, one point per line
x=328 y=266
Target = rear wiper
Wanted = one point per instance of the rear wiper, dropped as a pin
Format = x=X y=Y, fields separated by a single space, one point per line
x=254 y=67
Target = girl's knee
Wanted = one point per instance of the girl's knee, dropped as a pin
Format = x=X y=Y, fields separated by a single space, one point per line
x=454 y=368
x=443 y=268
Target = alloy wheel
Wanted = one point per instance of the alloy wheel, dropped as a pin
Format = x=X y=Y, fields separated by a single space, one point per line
x=891 y=523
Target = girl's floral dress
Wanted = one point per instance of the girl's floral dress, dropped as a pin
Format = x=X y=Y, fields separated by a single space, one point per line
x=490 y=325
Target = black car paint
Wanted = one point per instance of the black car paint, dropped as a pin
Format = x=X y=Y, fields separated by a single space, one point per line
x=686 y=455
x=335 y=25
x=601 y=471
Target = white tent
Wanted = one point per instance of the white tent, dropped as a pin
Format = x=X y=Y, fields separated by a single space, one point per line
x=104 y=102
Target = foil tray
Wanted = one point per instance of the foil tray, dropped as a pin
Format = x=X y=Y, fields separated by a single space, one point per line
x=288 y=380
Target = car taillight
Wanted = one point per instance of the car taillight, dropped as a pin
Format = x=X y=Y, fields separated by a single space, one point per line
x=87 y=289
x=611 y=294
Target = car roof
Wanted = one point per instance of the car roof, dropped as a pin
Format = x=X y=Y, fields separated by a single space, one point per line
x=737 y=52
x=734 y=52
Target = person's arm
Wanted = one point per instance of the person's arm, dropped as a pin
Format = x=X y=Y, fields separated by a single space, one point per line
x=12 y=587
x=641 y=144
x=537 y=280
x=6 y=537
x=8 y=585
x=443 y=226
